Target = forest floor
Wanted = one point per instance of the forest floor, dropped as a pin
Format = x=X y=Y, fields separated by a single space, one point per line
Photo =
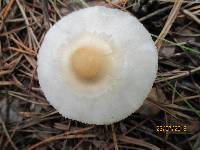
x=28 y=122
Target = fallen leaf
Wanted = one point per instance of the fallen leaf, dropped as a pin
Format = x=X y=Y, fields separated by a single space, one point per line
x=148 y=109
x=167 y=51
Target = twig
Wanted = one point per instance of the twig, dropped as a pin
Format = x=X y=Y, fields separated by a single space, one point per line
x=140 y=142
x=114 y=137
x=66 y=135
x=12 y=135
x=55 y=8
x=155 y=13
x=119 y=2
x=32 y=79
x=7 y=134
x=75 y=147
x=55 y=138
x=184 y=1
x=81 y=2
x=180 y=95
x=26 y=99
x=4 y=13
x=186 y=98
x=187 y=73
x=172 y=16
x=188 y=13
x=21 y=51
x=160 y=139
x=46 y=14
x=3 y=83
x=27 y=23
x=21 y=44
x=136 y=126
x=177 y=44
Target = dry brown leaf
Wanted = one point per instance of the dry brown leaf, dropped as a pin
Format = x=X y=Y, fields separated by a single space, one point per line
x=148 y=109
x=167 y=51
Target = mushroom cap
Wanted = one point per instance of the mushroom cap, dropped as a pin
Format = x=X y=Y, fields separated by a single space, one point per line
x=129 y=62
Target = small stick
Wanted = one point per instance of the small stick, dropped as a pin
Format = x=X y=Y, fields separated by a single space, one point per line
x=195 y=18
x=6 y=10
x=172 y=16
x=46 y=14
x=7 y=134
x=184 y=74
x=28 y=24
x=4 y=13
x=155 y=13
x=114 y=137
x=60 y=137
x=3 y=83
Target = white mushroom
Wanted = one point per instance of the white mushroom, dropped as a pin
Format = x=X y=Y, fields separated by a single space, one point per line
x=97 y=65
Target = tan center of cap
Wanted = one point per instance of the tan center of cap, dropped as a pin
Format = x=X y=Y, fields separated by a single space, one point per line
x=88 y=63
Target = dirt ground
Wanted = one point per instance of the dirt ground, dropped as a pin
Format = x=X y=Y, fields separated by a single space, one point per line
x=28 y=122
